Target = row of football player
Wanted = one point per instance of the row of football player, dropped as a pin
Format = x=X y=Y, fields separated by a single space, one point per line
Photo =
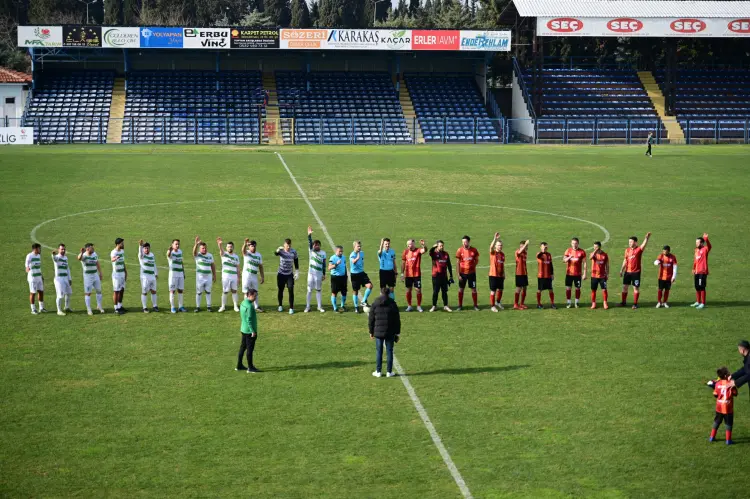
x=467 y=258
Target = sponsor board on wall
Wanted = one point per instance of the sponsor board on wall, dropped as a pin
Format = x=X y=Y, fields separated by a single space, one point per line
x=368 y=39
x=433 y=39
x=485 y=41
x=303 y=38
x=687 y=27
x=116 y=37
x=206 y=38
x=82 y=36
x=248 y=38
x=13 y=136
x=161 y=38
x=40 y=36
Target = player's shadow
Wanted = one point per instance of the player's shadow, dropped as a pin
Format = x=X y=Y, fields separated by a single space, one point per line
x=323 y=365
x=470 y=370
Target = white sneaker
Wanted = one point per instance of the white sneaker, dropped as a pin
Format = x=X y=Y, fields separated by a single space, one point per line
x=281 y=309
x=60 y=312
x=236 y=309
x=499 y=306
x=576 y=304
x=494 y=309
x=101 y=310
x=43 y=311
x=321 y=311
x=695 y=304
x=307 y=309
x=476 y=309
x=221 y=309
x=34 y=312
x=90 y=312
x=665 y=305
x=390 y=375
x=658 y=305
x=700 y=306
x=291 y=311
x=433 y=309
x=419 y=309
x=408 y=309
x=447 y=308
x=568 y=305
x=377 y=374
x=459 y=309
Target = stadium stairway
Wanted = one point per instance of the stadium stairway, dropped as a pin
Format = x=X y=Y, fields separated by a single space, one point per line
x=408 y=107
x=116 y=112
x=674 y=130
x=272 y=110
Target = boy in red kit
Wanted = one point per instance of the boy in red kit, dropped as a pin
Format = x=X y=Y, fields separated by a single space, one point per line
x=545 y=275
x=575 y=258
x=522 y=276
x=667 y=264
x=599 y=273
x=724 y=394
x=700 y=270
x=630 y=271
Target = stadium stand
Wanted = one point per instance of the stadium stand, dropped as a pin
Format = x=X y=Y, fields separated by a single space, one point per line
x=71 y=106
x=341 y=108
x=712 y=104
x=450 y=108
x=193 y=107
x=585 y=99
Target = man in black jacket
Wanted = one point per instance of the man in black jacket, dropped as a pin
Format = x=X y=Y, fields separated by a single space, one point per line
x=385 y=326
x=742 y=376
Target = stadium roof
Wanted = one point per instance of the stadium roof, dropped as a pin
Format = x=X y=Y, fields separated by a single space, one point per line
x=630 y=8
x=10 y=76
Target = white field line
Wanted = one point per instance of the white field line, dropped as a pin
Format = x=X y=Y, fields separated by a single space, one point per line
x=401 y=373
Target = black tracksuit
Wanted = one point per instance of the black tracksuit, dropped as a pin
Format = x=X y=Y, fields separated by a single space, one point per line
x=742 y=376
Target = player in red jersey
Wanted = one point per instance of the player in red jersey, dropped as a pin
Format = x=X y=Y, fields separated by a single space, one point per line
x=411 y=271
x=522 y=276
x=497 y=273
x=700 y=270
x=667 y=264
x=575 y=257
x=724 y=393
x=467 y=258
x=599 y=273
x=631 y=269
x=545 y=275
x=442 y=274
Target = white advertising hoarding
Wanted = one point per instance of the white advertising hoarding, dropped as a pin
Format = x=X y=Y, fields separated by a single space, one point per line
x=13 y=136
x=686 y=27
x=117 y=37
x=40 y=36
x=206 y=38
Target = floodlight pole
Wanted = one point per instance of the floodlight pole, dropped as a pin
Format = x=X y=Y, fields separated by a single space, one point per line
x=89 y=2
x=375 y=11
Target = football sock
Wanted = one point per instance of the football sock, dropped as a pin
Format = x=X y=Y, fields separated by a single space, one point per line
x=309 y=295
x=355 y=299
x=392 y=296
x=67 y=301
x=515 y=298
x=171 y=300
x=59 y=302
x=552 y=297
x=180 y=299
x=659 y=295
x=197 y=300
x=408 y=297
x=538 y=297
x=713 y=432
x=578 y=294
x=636 y=295
x=460 y=297
x=729 y=435
x=333 y=301
x=419 y=299
x=666 y=295
x=99 y=300
x=474 y=297
x=703 y=297
x=86 y=298
x=605 y=295
x=367 y=294
x=41 y=305
x=343 y=300
x=499 y=296
x=523 y=296
x=234 y=298
x=593 y=297
x=143 y=300
x=223 y=299
x=492 y=298
x=624 y=296
x=319 y=298
x=567 y=294
x=153 y=299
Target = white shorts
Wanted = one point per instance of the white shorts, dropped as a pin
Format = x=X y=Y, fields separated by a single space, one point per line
x=203 y=286
x=229 y=283
x=118 y=283
x=36 y=284
x=148 y=283
x=176 y=282
x=62 y=287
x=91 y=284
x=249 y=281
x=314 y=282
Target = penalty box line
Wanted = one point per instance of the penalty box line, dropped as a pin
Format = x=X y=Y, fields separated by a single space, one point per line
x=460 y=482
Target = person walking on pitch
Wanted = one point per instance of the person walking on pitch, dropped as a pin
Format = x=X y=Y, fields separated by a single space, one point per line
x=230 y=271
x=149 y=273
x=316 y=271
x=63 y=279
x=649 y=143
x=34 y=277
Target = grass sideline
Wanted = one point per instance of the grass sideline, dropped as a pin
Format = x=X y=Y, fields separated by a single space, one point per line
x=529 y=404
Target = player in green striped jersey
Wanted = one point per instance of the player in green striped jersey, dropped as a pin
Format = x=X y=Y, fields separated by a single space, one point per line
x=316 y=272
x=230 y=271
x=176 y=276
x=34 y=277
x=149 y=274
x=63 y=279
x=252 y=269
x=92 y=276
x=119 y=274
x=205 y=273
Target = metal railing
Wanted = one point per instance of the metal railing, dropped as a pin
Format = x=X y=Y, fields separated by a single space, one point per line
x=524 y=89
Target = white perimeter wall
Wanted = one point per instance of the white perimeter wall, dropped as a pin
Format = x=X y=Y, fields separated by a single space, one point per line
x=12 y=90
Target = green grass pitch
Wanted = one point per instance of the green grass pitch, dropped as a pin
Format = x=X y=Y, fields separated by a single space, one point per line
x=528 y=404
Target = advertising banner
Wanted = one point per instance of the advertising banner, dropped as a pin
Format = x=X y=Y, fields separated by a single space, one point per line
x=206 y=38
x=303 y=38
x=427 y=39
x=161 y=38
x=368 y=39
x=40 y=36
x=686 y=27
x=114 y=37
x=13 y=136
x=248 y=38
x=485 y=41
x=82 y=36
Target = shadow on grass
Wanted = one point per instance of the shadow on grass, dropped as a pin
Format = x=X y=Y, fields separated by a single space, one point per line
x=470 y=370
x=316 y=367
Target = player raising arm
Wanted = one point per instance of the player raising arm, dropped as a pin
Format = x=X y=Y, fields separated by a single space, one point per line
x=630 y=271
x=599 y=273
x=230 y=271
x=252 y=269
x=119 y=274
x=667 y=264
x=411 y=271
x=387 y=258
x=149 y=273
x=205 y=273
x=700 y=269
x=316 y=272
x=545 y=275
x=497 y=273
x=63 y=279
x=176 y=276
x=522 y=276
x=575 y=258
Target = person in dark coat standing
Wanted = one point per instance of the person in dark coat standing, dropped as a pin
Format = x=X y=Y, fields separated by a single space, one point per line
x=385 y=327
x=742 y=376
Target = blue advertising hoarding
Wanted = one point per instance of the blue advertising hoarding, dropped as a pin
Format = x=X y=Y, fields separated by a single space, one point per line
x=161 y=38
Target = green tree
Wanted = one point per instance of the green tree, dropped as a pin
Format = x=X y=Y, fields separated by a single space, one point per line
x=300 y=14
x=256 y=19
x=279 y=12
x=315 y=14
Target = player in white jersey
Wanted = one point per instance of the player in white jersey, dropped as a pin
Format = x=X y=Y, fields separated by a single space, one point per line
x=205 y=273
x=63 y=280
x=316 y=272
x=149 y=273
x=176 y=276
x=252 y=268
x=230 y=271
x=34 y=277
x=92 y=276
x=119 y=274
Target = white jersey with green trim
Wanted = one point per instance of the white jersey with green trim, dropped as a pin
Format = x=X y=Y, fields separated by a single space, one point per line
x=230 y=262
x=34 y=264
x=118 y=265
x=176 y=265
x=317 y=263
x=203 y=262
x=148 y=263
x=62 y=271
x=252 y=263
x=88 y=262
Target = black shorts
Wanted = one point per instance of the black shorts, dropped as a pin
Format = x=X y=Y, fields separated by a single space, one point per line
x=598 y=281
x=497 y=283
x=522 y=281
x=632 y=278
x=471 y=279
x=543 y=283
x=359 y=280
x=665 y=284
x=285 y=281
x=413 y=282
x=338 y=284
x=728 y=420
x=573 y=280
x=387 y=278
x=700 y=282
